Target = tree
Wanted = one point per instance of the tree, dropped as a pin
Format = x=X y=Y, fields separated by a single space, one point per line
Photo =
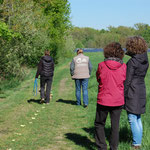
x=40 y=24
x=10 y=65
x=58 y=16
x=144 y=31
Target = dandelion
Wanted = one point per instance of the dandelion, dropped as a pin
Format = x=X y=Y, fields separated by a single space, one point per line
x=43 y=107
x=35 y=114
x=33 y=117
x=13 y=140
x=30 y=122
x=37 y=111
x=22 y=125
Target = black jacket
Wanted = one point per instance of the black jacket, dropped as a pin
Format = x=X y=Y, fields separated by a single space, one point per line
x=135 y=90
x=45 y=67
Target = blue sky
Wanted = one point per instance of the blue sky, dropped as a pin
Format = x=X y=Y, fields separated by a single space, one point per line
x=100 y=14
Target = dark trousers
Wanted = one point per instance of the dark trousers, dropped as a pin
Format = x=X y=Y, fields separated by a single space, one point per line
x=46 y=82
x=101 y=116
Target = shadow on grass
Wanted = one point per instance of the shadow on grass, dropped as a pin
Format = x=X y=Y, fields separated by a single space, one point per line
x=81 y=141
x=2 y=94
x=124 y=134
x=2 y=97
x=67 y=101
x=90 y=130
x=34 y=101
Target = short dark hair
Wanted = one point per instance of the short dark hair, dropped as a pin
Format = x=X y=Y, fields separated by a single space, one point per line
x=47 y=52
x=136 y=45
x=113 y=49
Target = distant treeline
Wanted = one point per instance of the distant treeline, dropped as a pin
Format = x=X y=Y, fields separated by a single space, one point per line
x=28 y=27
x=91 y=38
x=96 y=50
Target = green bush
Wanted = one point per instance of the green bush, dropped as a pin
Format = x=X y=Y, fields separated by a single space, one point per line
x=28 y=28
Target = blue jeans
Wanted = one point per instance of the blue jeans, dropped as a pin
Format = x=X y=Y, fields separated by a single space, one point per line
x=136 y=128
x=84 y=84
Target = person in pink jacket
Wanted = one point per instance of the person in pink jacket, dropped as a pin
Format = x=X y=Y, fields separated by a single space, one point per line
x=111 y=74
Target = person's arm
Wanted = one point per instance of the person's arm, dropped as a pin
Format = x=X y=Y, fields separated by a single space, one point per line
x=72 y=67
x=90 y=67
x=131 y=66
x=39 y=69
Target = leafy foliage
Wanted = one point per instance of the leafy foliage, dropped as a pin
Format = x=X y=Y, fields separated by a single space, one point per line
x=143 y=30
x=8 y=56
x=27 y=28
x=91 y=38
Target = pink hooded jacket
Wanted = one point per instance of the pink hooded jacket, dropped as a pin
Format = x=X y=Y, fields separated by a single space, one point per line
x=111 y=76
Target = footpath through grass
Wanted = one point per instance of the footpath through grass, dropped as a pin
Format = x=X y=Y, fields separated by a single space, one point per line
x=27 y=125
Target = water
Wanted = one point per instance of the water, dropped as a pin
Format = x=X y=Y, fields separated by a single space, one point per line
x=91 y=49
x=95 y=50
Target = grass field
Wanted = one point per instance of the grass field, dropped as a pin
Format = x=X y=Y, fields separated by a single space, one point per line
x=27 y=125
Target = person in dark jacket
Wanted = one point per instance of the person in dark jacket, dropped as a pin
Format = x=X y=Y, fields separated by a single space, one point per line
x=111 y=74
x=135 y=90
x=46 y=72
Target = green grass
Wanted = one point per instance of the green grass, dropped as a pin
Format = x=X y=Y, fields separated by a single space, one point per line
x=61 y=125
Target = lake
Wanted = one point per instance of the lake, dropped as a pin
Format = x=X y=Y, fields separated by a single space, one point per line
x=95 y=50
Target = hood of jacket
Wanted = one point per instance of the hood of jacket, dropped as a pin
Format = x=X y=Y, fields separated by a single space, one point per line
x=112 y=64
x=141 y=58
x=47 y=58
